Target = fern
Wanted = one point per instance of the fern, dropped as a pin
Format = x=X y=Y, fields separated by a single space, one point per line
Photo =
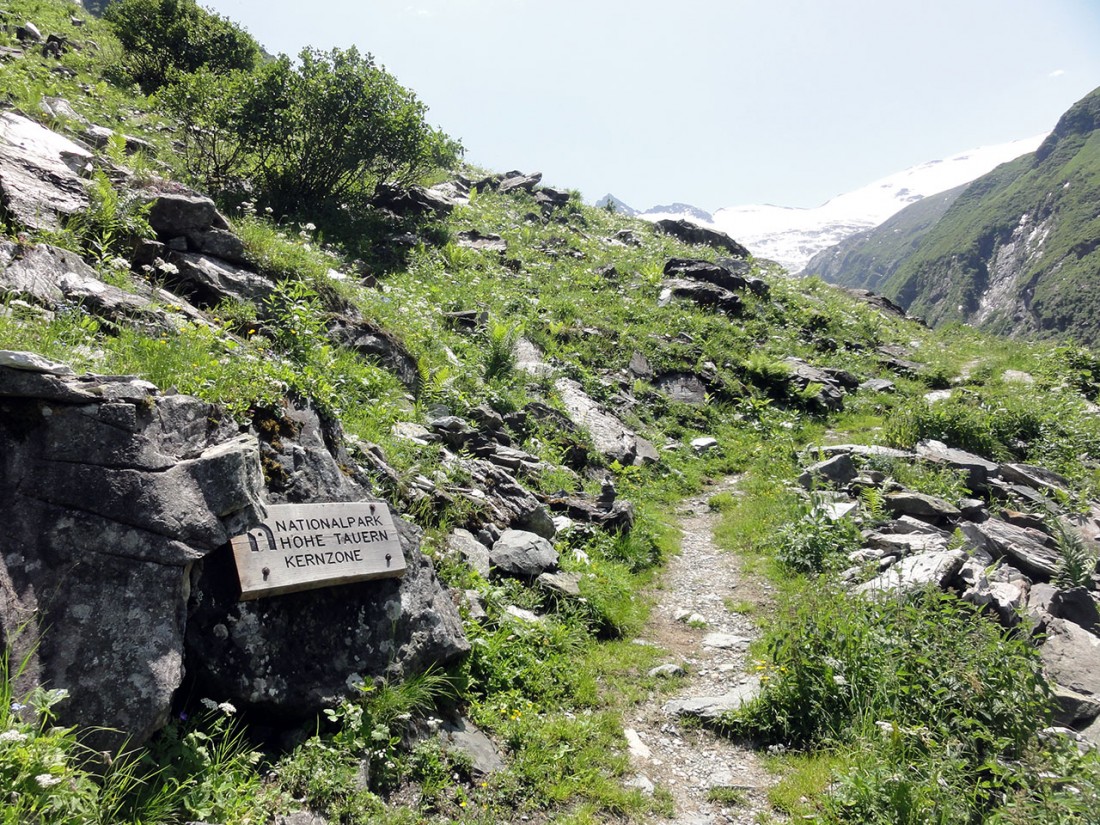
x=1077 y=564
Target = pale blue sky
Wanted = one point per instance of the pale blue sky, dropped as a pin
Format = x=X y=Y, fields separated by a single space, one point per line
x=713 y=103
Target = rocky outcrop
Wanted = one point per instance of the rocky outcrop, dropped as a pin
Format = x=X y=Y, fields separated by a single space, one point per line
x=609 y=435
x=40 y=173
x=693 y=233
x=115 y=573
x=112 y=492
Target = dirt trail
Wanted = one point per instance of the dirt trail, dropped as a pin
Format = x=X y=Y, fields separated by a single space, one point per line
x=687 y=760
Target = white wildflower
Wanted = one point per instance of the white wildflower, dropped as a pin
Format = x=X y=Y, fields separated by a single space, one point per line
x=227 y=708
x=12 y=735
x=209 y=704
x=45 y=780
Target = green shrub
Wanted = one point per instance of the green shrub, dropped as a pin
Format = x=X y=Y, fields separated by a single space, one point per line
x=162 y=37
x=839 y=664
x=315 y=135
x=815 y=542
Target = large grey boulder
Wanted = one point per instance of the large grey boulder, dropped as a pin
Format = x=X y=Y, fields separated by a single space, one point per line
x=692 y=233
x=609 y=435
x=523 y=554
x=979 y=470
x=173 y=215
x=838 y=470
x=294 y=654
x=914 y=572
x=40 y=172
x=700 y=293
x=707 y=272
x=51 y=277
x=922 y=506
x=1071 y=657
x=1032 y=551
x=111 y=494
x=208 y=281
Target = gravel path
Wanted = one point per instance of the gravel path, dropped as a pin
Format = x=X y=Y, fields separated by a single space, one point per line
x=691 y=611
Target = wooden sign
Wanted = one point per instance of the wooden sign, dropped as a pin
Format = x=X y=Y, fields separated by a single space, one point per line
x=305 y=546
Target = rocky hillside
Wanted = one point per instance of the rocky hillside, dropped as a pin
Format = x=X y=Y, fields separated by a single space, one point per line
x=1018 y=252
x=530 y=387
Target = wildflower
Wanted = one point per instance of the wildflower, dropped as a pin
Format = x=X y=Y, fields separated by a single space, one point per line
x=17 y=706
x=46 y=780
x=209 y=704
x=13 y=735
x=227 y=708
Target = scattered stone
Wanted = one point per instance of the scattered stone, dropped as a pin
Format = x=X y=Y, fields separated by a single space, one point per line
x=706 y=272
x=1039 y=478
x=639 y=366
x=838 y=471
x=173 y=216
x=725 y=641
x=635 y=745
x=871 y=450
x=472 y=551
x=473 y=239
x=1073 y=708
x=32 y=362
x=878 y=385
x=701 y=294
x=1032 y=550
x=1071 y=657
x=667 y=671
x=979 y=470
x=563 y=583
x=712 y=708
x=683 y=387
x=704 y=444
x=523 y=554
x=610 y=437
x=803 y=376
x=523 y=615
x=518 y=180
x=917 y=571
x=208 y=281
x=1076 y=605
x=463 y=736
x=921 y=506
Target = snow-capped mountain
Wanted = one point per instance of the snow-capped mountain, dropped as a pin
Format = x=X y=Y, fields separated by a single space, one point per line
x=791 y=236
x=677 y=211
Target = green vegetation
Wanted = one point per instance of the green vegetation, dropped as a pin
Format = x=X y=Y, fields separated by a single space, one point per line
x=164 y=37
x=907 y=710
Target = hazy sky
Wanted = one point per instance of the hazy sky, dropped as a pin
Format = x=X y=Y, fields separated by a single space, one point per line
x=713 y=102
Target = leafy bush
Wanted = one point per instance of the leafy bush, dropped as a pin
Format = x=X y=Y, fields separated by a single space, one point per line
x=335 y=127
x=840 y=664
x=814 y=542
x=164 y=37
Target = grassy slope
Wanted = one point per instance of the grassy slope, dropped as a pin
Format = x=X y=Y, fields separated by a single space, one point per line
x=945 y=278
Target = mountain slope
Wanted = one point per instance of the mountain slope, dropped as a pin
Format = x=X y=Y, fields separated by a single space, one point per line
x=1018 y=251
x=868 y=258
x=792 y=236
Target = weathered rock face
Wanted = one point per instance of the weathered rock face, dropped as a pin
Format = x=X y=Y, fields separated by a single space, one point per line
x=111 y=494
x=689 y=232
x=609 y=435
x=39 y=173
x=294 y=654
x=119 y=505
